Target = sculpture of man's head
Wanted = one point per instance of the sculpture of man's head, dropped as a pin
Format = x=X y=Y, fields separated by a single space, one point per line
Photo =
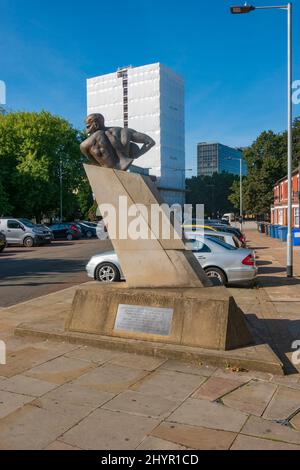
x=94 y=123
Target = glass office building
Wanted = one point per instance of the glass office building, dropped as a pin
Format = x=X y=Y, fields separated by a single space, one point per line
x=218 y=158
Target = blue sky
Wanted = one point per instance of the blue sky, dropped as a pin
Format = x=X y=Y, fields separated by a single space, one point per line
x=234 y=66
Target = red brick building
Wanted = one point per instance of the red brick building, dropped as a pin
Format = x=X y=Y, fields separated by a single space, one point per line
x=279 y=210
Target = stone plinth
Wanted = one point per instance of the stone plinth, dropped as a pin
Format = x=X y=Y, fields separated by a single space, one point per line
x=205 y=318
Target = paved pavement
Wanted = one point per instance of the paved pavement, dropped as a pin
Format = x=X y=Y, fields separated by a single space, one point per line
x=89 y=398
x=29 y=273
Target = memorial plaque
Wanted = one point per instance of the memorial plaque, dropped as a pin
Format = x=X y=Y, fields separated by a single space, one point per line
x=151 y=320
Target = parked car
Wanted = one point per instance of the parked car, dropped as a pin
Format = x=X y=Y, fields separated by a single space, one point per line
x=24 y=232
x=44 y=227
x=216 y=222
x=66 y=231
x=226 y=237
x=88 y=229
x=229 y=217
x=196 y=224
x=2 y=242
x=223 y=262
x=234 y=230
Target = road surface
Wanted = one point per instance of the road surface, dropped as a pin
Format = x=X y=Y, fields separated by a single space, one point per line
x=29 y=273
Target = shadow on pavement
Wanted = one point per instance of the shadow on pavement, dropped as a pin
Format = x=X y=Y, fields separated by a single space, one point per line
x=265 y=280
x=278 y=334
x=263 y=263
x=32 y=284
x=18 y=268
x=257 y=248
x=9 y=252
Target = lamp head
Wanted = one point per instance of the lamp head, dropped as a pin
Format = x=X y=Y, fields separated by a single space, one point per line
x=238 y=10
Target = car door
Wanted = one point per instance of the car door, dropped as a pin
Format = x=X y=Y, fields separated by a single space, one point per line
x=60 y=231
x=15 y=232
x=201 y=251
x=54 y=230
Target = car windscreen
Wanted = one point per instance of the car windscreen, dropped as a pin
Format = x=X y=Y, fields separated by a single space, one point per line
x=27 y=222
x=221 y=243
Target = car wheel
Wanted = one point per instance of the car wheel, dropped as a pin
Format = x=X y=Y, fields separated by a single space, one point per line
x=107 y=272
x=69 y=237
x=28 y=242
x=89 y=234
x=216 y=275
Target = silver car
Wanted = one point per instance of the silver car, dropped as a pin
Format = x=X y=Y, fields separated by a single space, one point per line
x=229 y=238
x=223 y=262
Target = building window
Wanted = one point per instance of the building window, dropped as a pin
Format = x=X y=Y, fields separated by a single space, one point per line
x=296 y=217
x=280 y=216
x=124 y=75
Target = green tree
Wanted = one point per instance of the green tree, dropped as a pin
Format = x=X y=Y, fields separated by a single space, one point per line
x=212 y=191
x=267 y=163
x=5 y=206
x=32 y=145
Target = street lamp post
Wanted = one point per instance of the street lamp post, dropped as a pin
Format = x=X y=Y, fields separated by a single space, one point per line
x=247 y=9
x=61 y=188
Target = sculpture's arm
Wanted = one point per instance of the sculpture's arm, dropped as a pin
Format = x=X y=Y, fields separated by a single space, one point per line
x=140 y=138
x=85 y=150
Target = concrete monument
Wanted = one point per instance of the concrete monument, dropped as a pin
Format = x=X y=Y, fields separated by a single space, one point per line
x=167 y=296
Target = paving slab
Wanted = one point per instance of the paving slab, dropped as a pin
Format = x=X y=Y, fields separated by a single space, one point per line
x=138 y=361
x=34 y=428
x=186 y=368
x=169 y=384
x=259 y=427
x=154 y=406
x=96 y=355
x=107 y=430
x=111 y=378
x=75 y=394
x=288 y=381
x=10 y=402
x=202 y=413
x=74 y=409
x=255 y=443
x=153 y=443
x=295 y=422
x=60 y=370
x=26 y=386
x=284 y=403
x=58 y=445
x=215 y=388
x=194 y=437
x=24 y=359
x=251 y=398
x=242 y=377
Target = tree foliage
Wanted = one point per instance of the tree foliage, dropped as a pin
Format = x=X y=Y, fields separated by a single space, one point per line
x=267 y=163
x=32 y=145
x=212 y=191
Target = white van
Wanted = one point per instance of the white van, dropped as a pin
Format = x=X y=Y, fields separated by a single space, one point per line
x=230 y=217
x=24 y=232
